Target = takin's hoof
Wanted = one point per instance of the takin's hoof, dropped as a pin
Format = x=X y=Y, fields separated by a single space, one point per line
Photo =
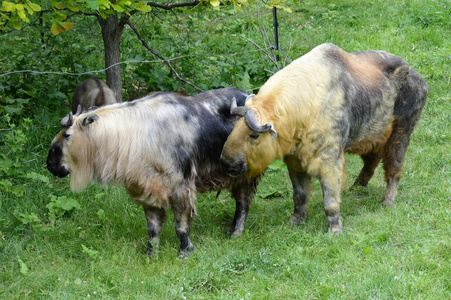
x=335 y=225
x=152 y=248
x=388 y=202
x=234 y=232
x=296 y=220
x=185 y=253
x=357 y=184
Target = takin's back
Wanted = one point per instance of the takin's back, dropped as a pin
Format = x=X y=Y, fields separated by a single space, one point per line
x=354 y=97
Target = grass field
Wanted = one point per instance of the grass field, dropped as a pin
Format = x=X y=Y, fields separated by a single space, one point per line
x=404 y=251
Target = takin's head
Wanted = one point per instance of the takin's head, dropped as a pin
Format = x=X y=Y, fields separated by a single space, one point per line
x=62 y=156
x=251 y=146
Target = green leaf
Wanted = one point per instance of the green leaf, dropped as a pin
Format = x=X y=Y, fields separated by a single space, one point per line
x=353 y=241
x=60 y=205
x=91 y=253
x=5 y=183
x=54 y=29
x=72 y=8
x=273 y=194
x=16 y=25
x=287 y=9
x=142 y=7
x=8 y=6
x=99 y=195
x=7 y=186
x=244 y=83
x=23 y=267
x=215 y=4
x=66 y=26
x=5 y=163
x=31 y=219
x=101 y=214
x=367 y=250
x=21 y=12
x=124 y=2
x=92 y=4
x=104 y=4
x=40 y=177
x=33 y=7
x=117 y=8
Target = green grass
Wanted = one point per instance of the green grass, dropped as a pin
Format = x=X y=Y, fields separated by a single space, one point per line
x=403 y=251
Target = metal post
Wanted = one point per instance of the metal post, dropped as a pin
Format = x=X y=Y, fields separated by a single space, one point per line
x=276 y=31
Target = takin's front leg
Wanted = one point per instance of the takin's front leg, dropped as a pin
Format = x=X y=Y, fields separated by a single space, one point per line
x=333 y=179
x=301 y=187
x=155 y=218
x=242 y=192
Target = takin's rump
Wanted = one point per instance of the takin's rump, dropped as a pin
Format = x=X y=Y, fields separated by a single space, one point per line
x=92 y=92
x=322 y=105
x=163 y=149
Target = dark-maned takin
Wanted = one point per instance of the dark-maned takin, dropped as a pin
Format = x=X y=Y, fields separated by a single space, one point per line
x=92 y=92
x=322 y=105
x=163 y=148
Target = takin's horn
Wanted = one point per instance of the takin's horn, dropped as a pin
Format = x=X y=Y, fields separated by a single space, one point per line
x=251 y=121
x=79 y=110
x=237 y=111
x=68 y=120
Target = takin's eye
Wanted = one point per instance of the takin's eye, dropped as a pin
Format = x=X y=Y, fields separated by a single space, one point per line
x=254 y=135
x=66 y=136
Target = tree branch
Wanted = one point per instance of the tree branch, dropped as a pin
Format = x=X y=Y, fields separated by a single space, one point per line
x=171 y=6
x=269 y=48
x=161 y=57
x=261 y=49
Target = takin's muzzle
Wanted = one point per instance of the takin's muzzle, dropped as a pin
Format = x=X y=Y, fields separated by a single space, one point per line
x=233 y=167
x=54 y=162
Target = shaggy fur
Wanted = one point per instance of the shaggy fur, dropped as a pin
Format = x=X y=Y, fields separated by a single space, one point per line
x=163 y=148
x=322 y=105
x=92 y=92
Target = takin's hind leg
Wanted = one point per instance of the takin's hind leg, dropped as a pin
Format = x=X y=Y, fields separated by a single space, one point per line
x=394 y=154
x=242 y=192
x=301 y=187
x=370 y=163
x=184 y=213
x=155 y=218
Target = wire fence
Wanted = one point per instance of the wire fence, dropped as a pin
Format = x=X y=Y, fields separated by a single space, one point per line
x=127 y=62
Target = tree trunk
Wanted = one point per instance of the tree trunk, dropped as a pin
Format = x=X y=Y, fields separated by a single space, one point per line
x=111 y=32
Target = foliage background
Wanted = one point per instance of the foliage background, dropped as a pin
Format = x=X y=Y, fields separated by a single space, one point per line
x=56 y=244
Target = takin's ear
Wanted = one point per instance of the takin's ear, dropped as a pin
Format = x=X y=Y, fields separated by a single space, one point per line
x=249 y=99
x=89 y=119
x=273 y=132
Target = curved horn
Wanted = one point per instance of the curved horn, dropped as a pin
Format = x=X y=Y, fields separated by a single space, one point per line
x=237 y=111
x=251 y=121
x=68 y=120
x=79 y=110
